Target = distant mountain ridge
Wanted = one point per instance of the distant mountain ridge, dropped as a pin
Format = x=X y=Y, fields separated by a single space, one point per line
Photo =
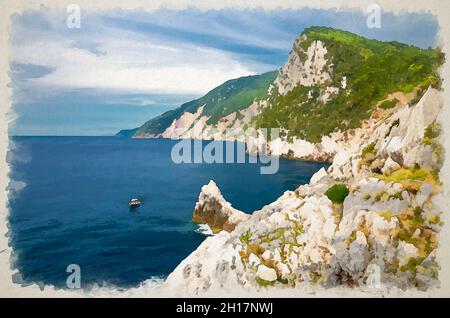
x=332 y=81
x=231 y=96
x=127 y=132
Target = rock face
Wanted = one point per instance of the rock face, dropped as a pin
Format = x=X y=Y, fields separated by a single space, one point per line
x=215 y=211
x=312 y=77
x=409 y=125
x=384 y=235
x=179 y=126
x=369 y=221
x=306 y=71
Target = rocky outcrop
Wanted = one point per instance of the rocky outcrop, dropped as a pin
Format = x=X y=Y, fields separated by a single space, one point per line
x=408 y=126
x=383 y=235
x=369 y=221
x=181 y=125
x=317 y=84
x=214 y=210
x=304 y=67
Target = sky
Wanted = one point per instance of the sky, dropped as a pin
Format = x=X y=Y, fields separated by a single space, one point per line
x=121 y=68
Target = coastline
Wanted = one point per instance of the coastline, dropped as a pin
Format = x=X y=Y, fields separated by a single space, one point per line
x=151 y=286
x=9 y=289
x=325 y=157
x=360 y=223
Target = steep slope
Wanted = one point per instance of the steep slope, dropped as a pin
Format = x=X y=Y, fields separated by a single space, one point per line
x=370 y=222
x=333 y=80
x=127 y=132
x=231 y=96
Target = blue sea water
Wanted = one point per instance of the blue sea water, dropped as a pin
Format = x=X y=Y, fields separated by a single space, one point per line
x=74 y=206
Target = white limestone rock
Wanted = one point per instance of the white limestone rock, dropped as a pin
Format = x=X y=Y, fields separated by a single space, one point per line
x=253 y=260
x=309 y=72
x=215 y=211
x=304 y=234
x=424 y=194
x=390 y=166
x=266 y=273
x=318 y=176
x=405 y=251
x=382 y=228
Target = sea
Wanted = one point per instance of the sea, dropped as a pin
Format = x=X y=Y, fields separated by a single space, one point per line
x=68 y=204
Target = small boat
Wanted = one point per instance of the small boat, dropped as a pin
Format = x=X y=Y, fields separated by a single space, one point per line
x=134 y=203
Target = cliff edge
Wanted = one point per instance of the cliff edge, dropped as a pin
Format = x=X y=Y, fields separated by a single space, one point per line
x=369 y=221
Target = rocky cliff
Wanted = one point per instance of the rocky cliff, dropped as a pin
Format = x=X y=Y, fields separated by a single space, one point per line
x=212 y=209
x=369 y=221
x=332 y=84
x=232 y=101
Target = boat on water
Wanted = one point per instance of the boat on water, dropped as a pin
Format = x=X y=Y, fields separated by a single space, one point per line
x=134 y=203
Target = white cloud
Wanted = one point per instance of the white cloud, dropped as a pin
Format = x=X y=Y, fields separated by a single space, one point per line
x=129 y=64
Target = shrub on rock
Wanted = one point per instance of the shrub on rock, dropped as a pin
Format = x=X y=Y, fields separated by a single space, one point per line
x=337 y=193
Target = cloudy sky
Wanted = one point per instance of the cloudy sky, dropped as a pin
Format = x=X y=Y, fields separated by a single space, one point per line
x=120 y=68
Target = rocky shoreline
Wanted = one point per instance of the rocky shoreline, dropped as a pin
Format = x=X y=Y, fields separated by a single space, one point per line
x=369 y=221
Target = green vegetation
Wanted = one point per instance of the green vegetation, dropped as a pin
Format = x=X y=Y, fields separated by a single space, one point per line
x=395 y=123
x=431 y=138
x=350 y=239
x=412 y=178
x=245 y=238
x=379 y=196
x=263 y=283
x=396 y=196
x=434 y=219
x=373 y=69
x=384 y=196
x=126 y=132
x=272 y=236
x=412 y=264
x=432 y=132
x=368 y=156
x=387 y=104
x=231 y=96
x=387 y=215
x=284 y=281
x=337 y=193
x=411 y=221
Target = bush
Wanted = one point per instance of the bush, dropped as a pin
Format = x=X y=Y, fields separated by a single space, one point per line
x=387 y=104
x=368 y=155
x=337 y=193
x=432 y=131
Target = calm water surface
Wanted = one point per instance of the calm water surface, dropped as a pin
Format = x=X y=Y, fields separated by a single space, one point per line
x=74 y=206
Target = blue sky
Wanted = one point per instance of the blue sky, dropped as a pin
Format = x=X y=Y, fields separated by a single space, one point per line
x=122 y=68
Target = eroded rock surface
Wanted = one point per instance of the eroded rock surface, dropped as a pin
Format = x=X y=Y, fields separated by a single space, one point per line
x=215 y=211
x=383 y=235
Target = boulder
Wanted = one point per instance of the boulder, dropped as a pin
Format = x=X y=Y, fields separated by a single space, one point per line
x=405 y=251
x=215 y=211
x=390 y=166
x=318 y=176
x=266 y=273
x=424 y=194
x=253 y=260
